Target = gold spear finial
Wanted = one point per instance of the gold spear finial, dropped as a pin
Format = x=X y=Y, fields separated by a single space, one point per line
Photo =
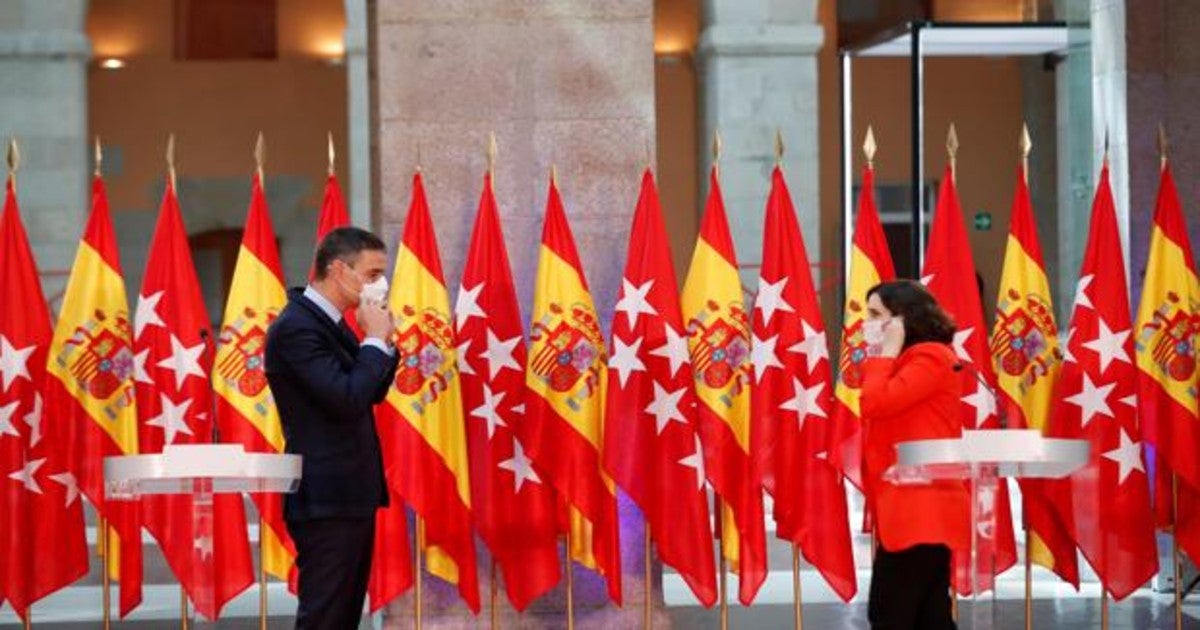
x=553 y=175
x=648 y=152
x=1026 y=146
x=97 y=156
x=1162 y=146
x=14 y=160
x=716 y=145
x=171 y=159
x=869 y=147
x=778 y=147
x=260 y=156
x=952 y=150
x=492 y=149
x=331 y=152
x=418 y=156
x=1106 y=146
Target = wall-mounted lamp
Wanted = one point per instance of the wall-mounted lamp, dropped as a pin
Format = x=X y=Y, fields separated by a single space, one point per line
x=112 y=63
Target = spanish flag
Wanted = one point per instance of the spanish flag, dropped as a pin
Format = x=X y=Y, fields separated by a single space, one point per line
x=1024 y=348
x=90 y=387
x=421 y=422
x=718 y=333
x=870 y=264
x=566 y=376
x=246 y=412
x=1165 y=343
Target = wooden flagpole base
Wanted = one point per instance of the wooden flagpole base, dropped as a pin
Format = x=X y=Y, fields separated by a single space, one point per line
x=797 y=607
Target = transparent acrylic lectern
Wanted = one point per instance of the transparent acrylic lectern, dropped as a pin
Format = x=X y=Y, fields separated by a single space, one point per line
x=986 y=456
x=200 y=470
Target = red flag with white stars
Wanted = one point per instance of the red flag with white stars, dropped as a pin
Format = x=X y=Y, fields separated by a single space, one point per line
x=173 y=350
x=1106 y=505
x=513 y=506
x=42 y=542
x=792 y=398
x=651 y=443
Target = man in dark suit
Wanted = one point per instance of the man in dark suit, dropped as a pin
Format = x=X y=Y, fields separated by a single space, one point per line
x=325 y=384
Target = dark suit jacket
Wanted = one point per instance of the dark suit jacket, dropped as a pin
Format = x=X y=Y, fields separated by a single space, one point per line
x=325 y=386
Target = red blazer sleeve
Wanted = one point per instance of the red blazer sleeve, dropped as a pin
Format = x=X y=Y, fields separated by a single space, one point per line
x=887 y=391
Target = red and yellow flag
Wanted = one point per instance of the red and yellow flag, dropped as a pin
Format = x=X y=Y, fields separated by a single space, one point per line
x=421 y=422
x=42 y=542
x=870 y=264
x=245 y=411
x=1168 y=322
x=90 y=388
x=566 y=377
x=718 y=331
x=1027 y=360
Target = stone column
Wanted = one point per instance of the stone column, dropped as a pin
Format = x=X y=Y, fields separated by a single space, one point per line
x=758 y=72
x=43 y=103
x=568 y=83
x=359 y=116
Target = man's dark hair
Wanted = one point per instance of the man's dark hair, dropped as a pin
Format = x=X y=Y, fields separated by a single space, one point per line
x=344 y=244
x=924 y=319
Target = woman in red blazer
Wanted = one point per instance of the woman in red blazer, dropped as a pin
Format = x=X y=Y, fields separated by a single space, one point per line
x=910 y=391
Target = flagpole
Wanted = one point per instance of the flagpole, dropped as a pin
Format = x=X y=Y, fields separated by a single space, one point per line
x=260 y=152
x=183 y=600
x=1103 y=606
x=1026 y=146
x=570 y=573
x=718 y=507
x=1176 y=561
x=647 y=621
x=952 y=157
x=105 y=579
x=494 y=598
x=417 y=570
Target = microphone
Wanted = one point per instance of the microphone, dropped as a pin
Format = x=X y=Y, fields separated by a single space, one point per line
x=1001 y=416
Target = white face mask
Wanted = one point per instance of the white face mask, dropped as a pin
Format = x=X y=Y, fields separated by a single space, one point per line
x=873 y=331
x=375 y=291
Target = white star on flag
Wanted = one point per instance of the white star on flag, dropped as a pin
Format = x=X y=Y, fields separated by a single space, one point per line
x=1081 y=296
x=674 y=350
x=1092 y=400
x=147 y=313
x=466 y=305
x=633 y=301
x=762 y=355
x=6 y=414
x=183 y=361
x=625 y=359
x=460 y=357
x=925 y=280
x=14 y=362
x=27 y=475
x=983 y=402
x=521 y=467
x=70 y=484
x=490 y=410
x=499 y=354
x=139 y=367
x=665 y=407
x=695 y=461
x=518 y=409
x=805 y=402
x=1130 y=400
x=33 y=420
x=1128 y=456
x=770 y=298
x=1109 y=345
x=1066 y=347
x=960 y=344
x=172 y=418
x=203 y=546
x=812 y=346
